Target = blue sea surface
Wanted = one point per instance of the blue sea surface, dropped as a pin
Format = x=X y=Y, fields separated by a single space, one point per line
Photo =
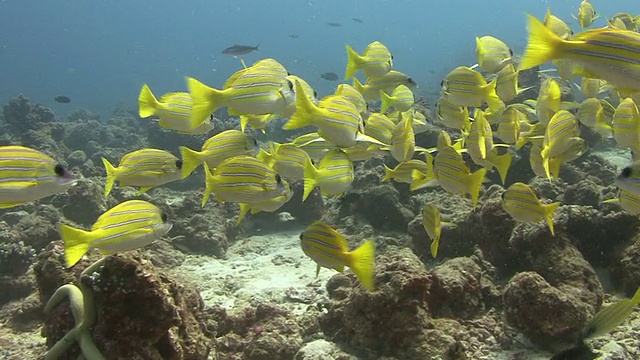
x=99 y=53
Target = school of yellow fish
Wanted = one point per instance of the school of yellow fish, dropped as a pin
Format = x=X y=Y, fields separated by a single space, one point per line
x=476 y=107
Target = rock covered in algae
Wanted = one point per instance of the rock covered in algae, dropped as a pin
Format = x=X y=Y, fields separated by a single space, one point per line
x=140 y=312
x=626 y=267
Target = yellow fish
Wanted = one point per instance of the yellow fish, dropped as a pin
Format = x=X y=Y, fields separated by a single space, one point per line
x=333 y=175
x=433 y=224
x=586 y=14
x=521 y=203
x=454 y=175
x=387 y=82
x=270 y=205
x=466 y=87
x=401 y=99
x=492 y=53
x=376 y=61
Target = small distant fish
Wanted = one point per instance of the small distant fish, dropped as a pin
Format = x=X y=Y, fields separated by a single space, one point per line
x=62 y=99
x=294 y=36
x=329 y=76
x=237 y=50
x=357 y=20
x=334 y=24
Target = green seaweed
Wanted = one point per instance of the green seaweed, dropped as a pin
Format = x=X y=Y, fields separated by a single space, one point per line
x=81 y=302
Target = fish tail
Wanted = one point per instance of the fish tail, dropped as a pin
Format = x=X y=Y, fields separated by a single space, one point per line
x=244 y=121
x=474 y=184
x=502 y=164
x=354 y=62
x=386 y=101
x=388 y=173
x=206 y=100
x=305 y=109
x=362 y=263
x=548 y=211
x=208 y=189
x=635 y=300
x=358 y=85
x=111 y=176
x=542 y=45
x=310 y=182
x=147 y=102
x=191 y=159
x=496 y=105
x=244 y=209
x=76 y=243
x=480 y=53
x=434 y=247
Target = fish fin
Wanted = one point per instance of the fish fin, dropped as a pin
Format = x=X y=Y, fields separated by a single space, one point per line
x=388 y=173
x=502 y=164
x=76 y=243
x=244 y=208
x=207 y=189
x=144 y=189
x=206 y=100
x=434 y=247
x=366 y=138
x=385 y=101
x=244 y=120
x=354 y=62
x=305 y=109
x=310 y=182
x=542 y=44
x=358 y=85
x=362 y=263
x=111 y=176
x=191 y=159
x=474 y=184
x=496 y=105
x=318 y=270
x=548 y=210
x=147 y=102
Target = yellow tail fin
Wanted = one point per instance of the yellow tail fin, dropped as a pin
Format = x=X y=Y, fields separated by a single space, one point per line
x=502 y=163
x=541 y=46
x=208 y=185
x=362 y=264
x=474 y=184
x=434 y=247
x=305 y=109
x=206 y=100
x=76 y=243
x=147 y=102
x=358 y=85
x=310 y=183
x=111 y=176
x=388 y=173
x=549 y=209
x=191 y=159
x=496 y=105
x=386 y=101
x=354 y=62
x=244 y=120
x=244 y=209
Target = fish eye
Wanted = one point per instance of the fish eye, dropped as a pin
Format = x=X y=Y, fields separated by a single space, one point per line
x=278 y=179
x=164 y=217
x=503 y=194
x=510 y=52
x=627 y=172
x=410 y=80
x=59 y=170
x=179 y=164
x=391 y=56
x=315 y=94
x=290 y=84
x=301 y=236
x=442 y=83
x=288 y=73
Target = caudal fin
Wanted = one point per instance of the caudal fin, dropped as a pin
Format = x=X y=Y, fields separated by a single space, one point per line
x=362 y=264
x=474 y=184
x=310 y=183
x=111 y=176
x=244 y=209
x=191 y=159
x=542 y=44
x=388 y=173
x=208 y=189
x=354 y=62
x=305 y=109
x=206 y=100
x=147 y=102
x=502 y=163
x=549 y=209
x=76 y=243
x=386 y=101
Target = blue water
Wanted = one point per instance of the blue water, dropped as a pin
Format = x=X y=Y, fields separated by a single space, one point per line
x=99 y=53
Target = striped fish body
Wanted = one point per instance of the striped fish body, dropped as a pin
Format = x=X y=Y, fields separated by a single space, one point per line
x=127 y=226
x=175 y=111
x=492 y=53
x=362 y=152
x=628 y=179
x=465 y=87
x=521 y=203
x=561 y=128
x=290 y=161
x=314 y=145
x=257 y=122
x=452 y=116
x=610 y=317
x=432 y=223
x=589 y=111
x=507 y=83
x=557 y=25
x=549 y=99
x=387 y=82
x=379 y=127
x=145 y=168
x=375 y=61
x=402 y=173
x=626 y=124
x=270 y=205
x=27 y=175
x=586 y=14
x=355 y=97
x=454 y=176
x=590 y=87
x=334 y=174
x=630 y=202
x=480 y=140
x=536 y=161
x=243 y=179
x=403 y=141
x=269 y=64
x=401 y=99
x=509 y=125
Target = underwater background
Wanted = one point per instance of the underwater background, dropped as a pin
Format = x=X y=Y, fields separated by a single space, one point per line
x=502 y=258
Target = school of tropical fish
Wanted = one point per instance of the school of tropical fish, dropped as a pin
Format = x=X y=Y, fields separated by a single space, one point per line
x=484 y=126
